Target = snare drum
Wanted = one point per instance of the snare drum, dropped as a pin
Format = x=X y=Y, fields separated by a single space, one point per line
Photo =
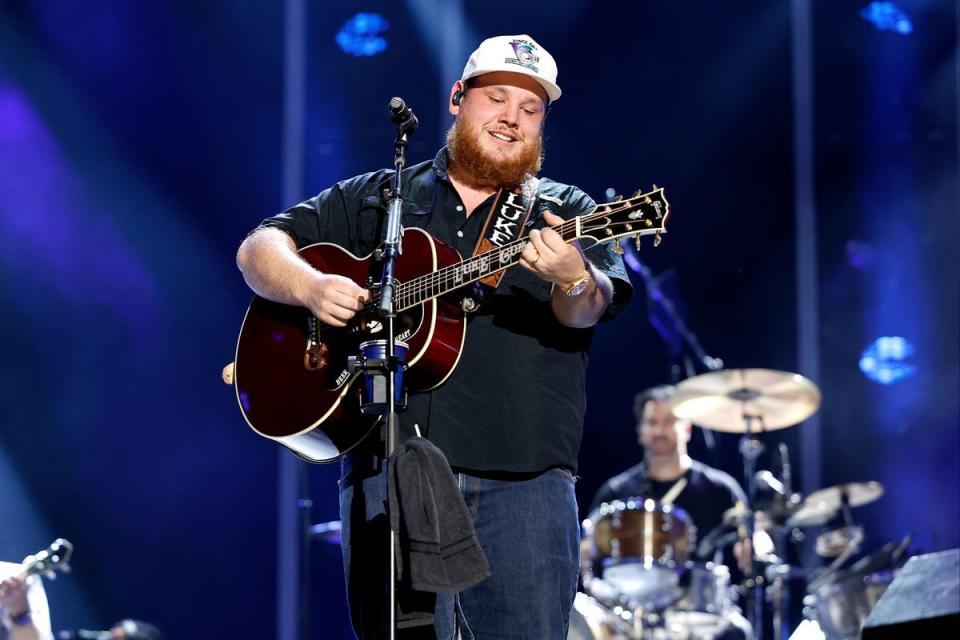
x=641 y=547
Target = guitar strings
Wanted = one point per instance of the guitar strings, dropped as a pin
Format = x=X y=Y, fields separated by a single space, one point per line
x=408 y=292
x=425 y=283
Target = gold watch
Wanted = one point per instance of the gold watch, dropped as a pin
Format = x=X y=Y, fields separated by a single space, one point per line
x=578 y=286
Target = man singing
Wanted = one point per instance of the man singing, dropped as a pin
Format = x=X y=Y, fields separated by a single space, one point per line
x=509 y=418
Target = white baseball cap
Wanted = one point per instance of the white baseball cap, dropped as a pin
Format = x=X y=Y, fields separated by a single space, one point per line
x=518 y=54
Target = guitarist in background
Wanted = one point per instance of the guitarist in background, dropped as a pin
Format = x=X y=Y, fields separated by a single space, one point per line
x=509 y=418
x=24 y=614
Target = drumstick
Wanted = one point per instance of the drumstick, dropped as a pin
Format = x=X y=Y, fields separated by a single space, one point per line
x=674 y=491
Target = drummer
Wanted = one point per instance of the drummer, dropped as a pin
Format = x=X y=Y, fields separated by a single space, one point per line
x=703 y=492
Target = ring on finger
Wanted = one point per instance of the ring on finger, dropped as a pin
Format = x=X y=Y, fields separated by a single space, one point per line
x=534 y=261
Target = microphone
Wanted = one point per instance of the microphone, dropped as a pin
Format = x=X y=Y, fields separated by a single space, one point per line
x=84 y=634
x=402 y=116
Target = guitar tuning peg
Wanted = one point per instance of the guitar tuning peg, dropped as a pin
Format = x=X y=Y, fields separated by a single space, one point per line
x=636 y=241
x=617 y=248
x=618 y=198
x=637 y=193
x=657 y=239
x=654 y=188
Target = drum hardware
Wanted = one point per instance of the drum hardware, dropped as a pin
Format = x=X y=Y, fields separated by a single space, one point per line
x=778 y=593
x=749 y=401
x=775 y=500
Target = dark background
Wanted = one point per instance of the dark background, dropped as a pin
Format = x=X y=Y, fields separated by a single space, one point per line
x=140 y=141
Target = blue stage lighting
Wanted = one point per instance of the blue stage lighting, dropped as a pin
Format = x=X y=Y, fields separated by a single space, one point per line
x=887 y=16
x=360 y=36
x=885 y=361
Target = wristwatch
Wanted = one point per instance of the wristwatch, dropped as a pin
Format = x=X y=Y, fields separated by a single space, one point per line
x=578 y=286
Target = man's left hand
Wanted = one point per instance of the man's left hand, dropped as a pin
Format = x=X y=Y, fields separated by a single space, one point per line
x=550 y=257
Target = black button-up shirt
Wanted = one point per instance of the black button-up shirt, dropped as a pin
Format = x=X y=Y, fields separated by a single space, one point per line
x=516 y=400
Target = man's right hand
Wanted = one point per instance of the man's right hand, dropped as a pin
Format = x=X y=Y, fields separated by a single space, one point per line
x=13 y=595
x=334 y=299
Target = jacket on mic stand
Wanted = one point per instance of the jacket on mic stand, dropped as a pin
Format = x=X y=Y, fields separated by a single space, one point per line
x=437 y=547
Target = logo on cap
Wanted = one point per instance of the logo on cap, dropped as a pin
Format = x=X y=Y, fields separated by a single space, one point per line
x=525 y=55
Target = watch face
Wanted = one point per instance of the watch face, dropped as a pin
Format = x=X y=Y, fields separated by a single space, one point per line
x=578 y=287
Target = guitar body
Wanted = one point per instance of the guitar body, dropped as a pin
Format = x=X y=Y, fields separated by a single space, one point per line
x=291 y=376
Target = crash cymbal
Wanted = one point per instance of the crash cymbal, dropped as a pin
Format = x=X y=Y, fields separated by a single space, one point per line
x=820 y=506
x=720 y=399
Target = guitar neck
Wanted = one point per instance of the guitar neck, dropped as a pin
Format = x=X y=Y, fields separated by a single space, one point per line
x=442 y=281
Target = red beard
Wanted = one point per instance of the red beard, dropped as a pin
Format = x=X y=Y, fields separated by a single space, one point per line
x=470 y=165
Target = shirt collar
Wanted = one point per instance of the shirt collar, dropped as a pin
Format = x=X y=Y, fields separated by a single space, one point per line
x=440 y=163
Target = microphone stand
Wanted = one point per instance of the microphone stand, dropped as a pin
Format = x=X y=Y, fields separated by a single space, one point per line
x=406 y=123
x=658 y=296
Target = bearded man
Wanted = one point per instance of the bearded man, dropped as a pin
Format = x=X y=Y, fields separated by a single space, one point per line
x=509 y=418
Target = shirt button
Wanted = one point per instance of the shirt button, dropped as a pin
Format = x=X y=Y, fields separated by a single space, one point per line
x=459 y=234
x=459 y=207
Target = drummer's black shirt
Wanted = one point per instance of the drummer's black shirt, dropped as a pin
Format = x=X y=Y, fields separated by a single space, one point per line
x=708 y=494
x=515 y=402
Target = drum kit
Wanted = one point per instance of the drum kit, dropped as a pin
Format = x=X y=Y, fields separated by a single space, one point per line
x=642 y=581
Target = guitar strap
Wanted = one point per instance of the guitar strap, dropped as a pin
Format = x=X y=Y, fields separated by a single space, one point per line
x=506 y=221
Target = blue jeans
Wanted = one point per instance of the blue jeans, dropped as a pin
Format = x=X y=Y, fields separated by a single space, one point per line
x=528 y=529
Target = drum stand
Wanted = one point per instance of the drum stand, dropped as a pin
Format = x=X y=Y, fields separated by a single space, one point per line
x=751 y=449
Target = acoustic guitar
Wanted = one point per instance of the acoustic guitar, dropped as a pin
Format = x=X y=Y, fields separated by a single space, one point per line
x=291 y=373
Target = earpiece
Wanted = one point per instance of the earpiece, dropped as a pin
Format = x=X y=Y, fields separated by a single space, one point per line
x=457 y=97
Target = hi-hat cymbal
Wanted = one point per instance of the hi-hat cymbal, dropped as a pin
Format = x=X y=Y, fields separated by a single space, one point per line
x=719 y=400
x=739 y=515
x=822 y=505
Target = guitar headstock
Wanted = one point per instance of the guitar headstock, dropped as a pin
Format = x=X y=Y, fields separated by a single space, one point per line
x=639 y=215
x=52 y=559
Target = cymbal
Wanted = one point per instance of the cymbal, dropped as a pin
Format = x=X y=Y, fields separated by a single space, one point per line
x=831 y=544
x=739 y=514
x=820 y=506
x=719 y=400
